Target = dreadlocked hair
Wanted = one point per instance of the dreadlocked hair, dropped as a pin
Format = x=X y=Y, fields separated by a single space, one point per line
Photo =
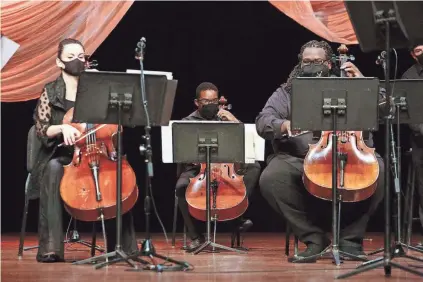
x=297 y=69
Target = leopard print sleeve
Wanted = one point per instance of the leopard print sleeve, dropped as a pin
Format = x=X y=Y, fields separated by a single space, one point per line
x=42 y=117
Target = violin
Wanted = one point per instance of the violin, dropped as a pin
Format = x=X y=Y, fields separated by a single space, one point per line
x=358 y=167
x=228 y=199
x=88 y=185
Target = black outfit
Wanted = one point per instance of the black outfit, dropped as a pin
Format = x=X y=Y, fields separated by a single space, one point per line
x=281 y=182
x=251 y=176
x=48 y=172
x=416 y=72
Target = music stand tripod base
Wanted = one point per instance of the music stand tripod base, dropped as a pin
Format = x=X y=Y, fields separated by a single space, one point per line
x=147 y=248
x=331 y=99
x=385 y=19
x=209 y=142
x=114 y=99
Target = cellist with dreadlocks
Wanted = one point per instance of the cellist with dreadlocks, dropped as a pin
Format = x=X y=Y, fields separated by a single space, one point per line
x=281 y=181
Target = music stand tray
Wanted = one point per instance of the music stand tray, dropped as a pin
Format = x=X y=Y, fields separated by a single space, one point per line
x=407 y=99
x=383 y=25
x=407 y=102
x=208 y=142
x=115 y=98
x=334 y=104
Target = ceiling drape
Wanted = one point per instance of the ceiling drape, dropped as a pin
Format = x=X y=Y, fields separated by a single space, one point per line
x=39 y=27
x=327 y=19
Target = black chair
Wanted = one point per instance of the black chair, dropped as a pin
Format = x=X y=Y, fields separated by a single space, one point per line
x=175 y=219
x=175 y=216
x=408 y=218
x=33 y=148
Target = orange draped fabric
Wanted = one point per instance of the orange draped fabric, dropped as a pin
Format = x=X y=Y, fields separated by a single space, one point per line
x=327 y=19
x=39 y=27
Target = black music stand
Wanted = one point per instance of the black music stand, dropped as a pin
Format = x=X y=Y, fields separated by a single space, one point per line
x=209 y=142
x=382 y=26
x=334 y=104
x=115 y=98
x=408 y=102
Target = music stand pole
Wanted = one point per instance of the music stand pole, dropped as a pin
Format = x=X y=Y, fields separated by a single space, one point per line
x=335 y=110
x=147 y=247
x=208 y=146
x=116 y=101
x=398 y=250
x=385 y=261
x=395 y=155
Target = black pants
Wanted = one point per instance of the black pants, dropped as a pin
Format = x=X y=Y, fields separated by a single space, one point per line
x=417 y=157
x=251 y=177
x=50 y=225
x=281 y=185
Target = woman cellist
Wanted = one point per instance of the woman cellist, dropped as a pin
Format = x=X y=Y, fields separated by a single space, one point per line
x=57 y=98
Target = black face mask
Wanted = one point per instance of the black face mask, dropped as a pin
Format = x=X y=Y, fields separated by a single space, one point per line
x=74 y=67
x=420 y=59
x=209 y=111
x=314 y=70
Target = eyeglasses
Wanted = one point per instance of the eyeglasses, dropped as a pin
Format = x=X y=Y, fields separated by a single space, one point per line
x=307 y=62
x=207 y=101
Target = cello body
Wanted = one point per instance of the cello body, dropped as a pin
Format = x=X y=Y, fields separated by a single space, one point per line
x=356 y=182
x=88 y=186
x=230 y=199
x=357 y=167
x=228 y=194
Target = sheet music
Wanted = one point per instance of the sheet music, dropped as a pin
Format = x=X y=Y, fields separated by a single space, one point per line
x=168 y=75
x=254 y=144
x=167 y=145
x=8 y=48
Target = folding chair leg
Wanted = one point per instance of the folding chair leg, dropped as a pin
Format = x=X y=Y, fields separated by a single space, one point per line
x=287 y=237
x=410 y=208
x=175 y=218
x=94 y=240
x=23 y=227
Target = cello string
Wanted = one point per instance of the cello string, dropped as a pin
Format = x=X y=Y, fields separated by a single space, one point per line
x=85 y=135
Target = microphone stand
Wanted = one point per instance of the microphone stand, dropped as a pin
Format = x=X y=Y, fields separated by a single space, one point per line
x=398 y=250
x=147 y=248
x=385 y=20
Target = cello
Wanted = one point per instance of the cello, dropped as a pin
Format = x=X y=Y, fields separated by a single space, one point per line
x=358 y=167
x=228 y=199
x=88 y=185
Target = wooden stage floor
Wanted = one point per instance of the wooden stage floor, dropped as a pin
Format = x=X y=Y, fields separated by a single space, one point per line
x=266 y=261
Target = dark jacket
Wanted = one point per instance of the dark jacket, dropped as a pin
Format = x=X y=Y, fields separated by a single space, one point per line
x=50 y=110
x=415 y=72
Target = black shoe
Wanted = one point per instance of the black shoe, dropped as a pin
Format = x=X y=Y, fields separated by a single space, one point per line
x=243 y=225
x=352 y=250
x=49 y=258
x=312 y=250
x=195 y=244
